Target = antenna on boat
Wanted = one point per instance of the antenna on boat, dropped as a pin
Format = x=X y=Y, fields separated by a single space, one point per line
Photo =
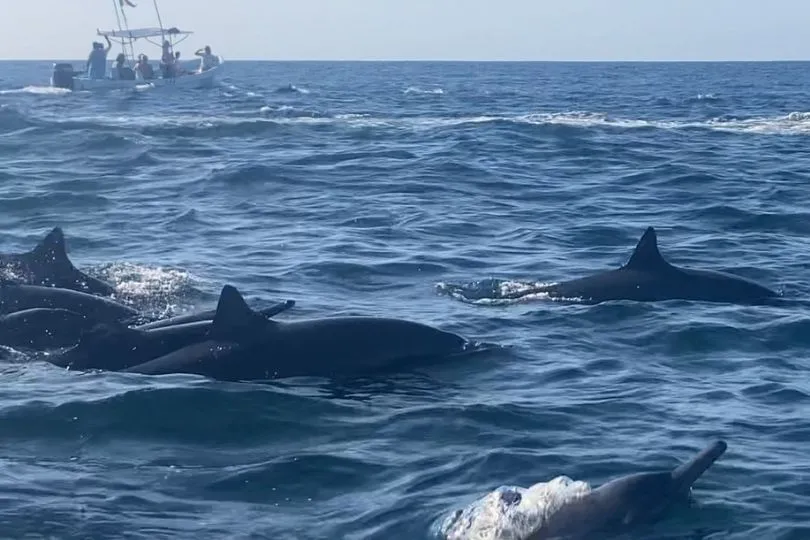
x=119 y=15
x=160 y=23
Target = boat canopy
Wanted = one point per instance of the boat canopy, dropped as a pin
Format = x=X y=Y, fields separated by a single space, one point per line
x=143 y=33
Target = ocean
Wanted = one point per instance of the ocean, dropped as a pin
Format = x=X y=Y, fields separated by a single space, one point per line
x=436 y=192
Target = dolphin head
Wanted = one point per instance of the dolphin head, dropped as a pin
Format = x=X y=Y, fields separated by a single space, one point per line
x=644 y=497
x=627 y=501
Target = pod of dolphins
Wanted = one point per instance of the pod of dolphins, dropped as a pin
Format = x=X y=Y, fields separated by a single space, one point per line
x=55 y=311
x=52 y=307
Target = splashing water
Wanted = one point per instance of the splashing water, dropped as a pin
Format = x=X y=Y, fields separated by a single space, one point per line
x=152 y=289
x=512 y=513
x=495 y=292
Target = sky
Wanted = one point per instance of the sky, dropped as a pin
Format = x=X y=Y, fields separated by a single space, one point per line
x=562 y=30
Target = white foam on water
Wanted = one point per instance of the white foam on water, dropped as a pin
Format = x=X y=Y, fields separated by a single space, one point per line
x=512 y=513
x=508 y=292
x=794 y=123
x=155 y=289
x=41 y=90
x=11 y=273
x=424 y=91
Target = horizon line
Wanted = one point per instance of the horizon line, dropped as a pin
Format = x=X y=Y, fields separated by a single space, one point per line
x=452 y=60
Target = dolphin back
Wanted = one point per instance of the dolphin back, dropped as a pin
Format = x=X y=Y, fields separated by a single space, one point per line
x=688 y=473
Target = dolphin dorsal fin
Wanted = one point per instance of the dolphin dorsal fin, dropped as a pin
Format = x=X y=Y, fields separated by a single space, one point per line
x=646 y=254
x=52 y=247
x=234 y=317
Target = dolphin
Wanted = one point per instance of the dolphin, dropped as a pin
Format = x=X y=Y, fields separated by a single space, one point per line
x=648 y=277
x=244 y=345
x=615 y=507
x=48 y=265
x=114 y=346
x=42 y=328
x=15 y=297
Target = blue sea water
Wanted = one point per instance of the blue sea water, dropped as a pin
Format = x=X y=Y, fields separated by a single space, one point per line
x=432 y=192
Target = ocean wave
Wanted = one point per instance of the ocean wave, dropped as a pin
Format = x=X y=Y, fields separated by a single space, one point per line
x=241 y=175
x=272 y=117
x=13 y=120
x=287 y=111
x=19 y=203
x=291 y=89
x=189 y=405
x=334 y=159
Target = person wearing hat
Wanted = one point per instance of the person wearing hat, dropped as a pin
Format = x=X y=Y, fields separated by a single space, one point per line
x=207 y=60
x=97 y=61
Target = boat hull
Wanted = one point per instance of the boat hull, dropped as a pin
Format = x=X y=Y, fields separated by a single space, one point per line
x=194 y=79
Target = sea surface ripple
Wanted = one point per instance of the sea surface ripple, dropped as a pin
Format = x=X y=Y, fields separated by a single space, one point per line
x=428 y=191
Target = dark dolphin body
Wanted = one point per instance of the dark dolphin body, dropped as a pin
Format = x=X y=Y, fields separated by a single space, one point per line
x=628 y=501
x=114 y=346
x=244 y=345
x=48 y=265
x=15 y=297
x=647 y=277
x=42 y=328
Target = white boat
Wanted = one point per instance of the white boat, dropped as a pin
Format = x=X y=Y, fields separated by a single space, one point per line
x=189 y=74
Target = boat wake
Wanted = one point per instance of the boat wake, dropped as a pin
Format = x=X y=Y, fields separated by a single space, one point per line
x=415 y=90
x=38 y=90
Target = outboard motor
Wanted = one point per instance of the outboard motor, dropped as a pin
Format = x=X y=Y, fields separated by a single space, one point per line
x=63 y=76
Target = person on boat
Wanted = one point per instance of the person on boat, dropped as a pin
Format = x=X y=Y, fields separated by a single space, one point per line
x=207 y=60
x=121 y=71
x=97 y=60
x=178 y=67
x=167 y=61
x=145 y=68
